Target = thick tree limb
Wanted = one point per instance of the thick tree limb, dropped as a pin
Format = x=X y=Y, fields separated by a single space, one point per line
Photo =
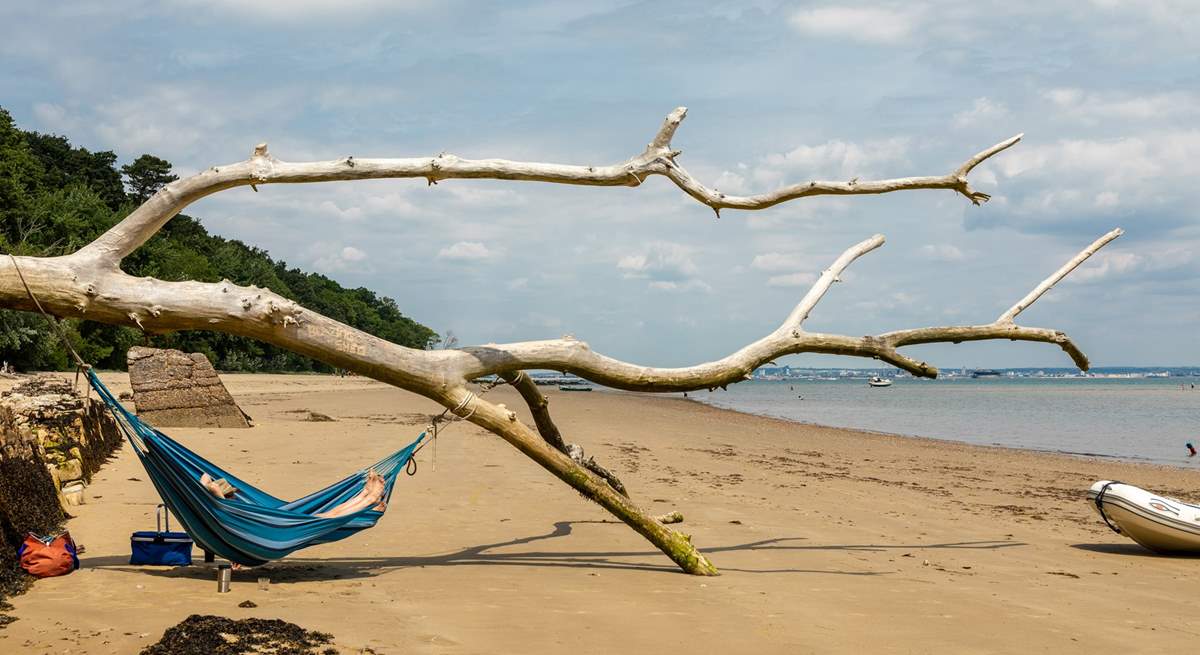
x=674 y=544
x=657 y=159
x=539 y=407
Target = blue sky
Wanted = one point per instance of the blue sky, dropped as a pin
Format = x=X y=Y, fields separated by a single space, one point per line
x=1107 y=93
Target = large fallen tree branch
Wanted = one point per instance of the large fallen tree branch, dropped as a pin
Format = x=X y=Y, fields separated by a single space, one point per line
x=90 y=284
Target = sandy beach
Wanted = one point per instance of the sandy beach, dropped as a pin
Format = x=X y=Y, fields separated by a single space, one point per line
x=829 y=540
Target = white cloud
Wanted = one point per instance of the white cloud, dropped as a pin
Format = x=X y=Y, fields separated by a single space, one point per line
x=352 y=254
x=869 y=24
x=1150 y=172
x=835 y=158
x=1106 y=265
x=792 y=280
x=330 y=208
x=465 y=251
x=983 y=111
x=1114 y=163
x=1092 y=108
x=334 y=259
x=773 y=261
x=1123 y=266
x=731 y=182
x=665 y=265
x=166 y=119
x=942 y=252
x=660 y=260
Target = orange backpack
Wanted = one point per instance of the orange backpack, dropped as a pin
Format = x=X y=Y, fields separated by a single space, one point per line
x=46 y=557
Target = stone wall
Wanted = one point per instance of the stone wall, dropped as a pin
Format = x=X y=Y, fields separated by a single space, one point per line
x=172 y=389
x=50 y=439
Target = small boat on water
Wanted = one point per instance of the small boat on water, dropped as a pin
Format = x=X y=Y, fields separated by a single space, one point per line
x=879 y=382
x=573 y=387
x=1162 y=524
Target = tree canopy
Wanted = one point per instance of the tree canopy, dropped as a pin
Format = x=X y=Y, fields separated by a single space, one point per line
x=146 y=175
x=55 y=197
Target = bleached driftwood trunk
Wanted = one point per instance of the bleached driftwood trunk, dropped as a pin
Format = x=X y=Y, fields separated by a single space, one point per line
x=90 y=284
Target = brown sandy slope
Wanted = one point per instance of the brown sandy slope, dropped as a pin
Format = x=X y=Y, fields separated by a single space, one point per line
x=830 y=541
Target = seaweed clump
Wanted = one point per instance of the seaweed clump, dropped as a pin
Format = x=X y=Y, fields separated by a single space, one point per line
x=28 y=502
x=202 y=634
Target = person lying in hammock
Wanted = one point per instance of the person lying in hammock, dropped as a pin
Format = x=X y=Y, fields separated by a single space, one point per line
x=371 y=495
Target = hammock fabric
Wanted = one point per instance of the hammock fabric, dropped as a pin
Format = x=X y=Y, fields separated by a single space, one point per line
x=251 y=527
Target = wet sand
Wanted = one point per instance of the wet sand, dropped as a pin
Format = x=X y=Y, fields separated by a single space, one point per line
x=829 y=540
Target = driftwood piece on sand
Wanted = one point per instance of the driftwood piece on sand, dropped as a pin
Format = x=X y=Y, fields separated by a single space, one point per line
x=90 y=284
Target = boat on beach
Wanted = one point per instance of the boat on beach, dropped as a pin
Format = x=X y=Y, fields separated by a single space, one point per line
x=1159 y=523
x=879 y=382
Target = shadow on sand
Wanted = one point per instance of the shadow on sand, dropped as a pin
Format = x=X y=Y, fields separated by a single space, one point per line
x=1132 y=550
x=298 y=569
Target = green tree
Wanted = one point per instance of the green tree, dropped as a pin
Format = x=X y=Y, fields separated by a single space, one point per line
x=65 y=165
x=20 y=179
x=146 y=175
x=54 y=198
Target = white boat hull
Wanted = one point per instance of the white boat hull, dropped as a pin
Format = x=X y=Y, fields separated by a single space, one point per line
x=1160 y=523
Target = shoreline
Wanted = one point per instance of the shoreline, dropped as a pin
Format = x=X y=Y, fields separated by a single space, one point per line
x=1145 y=461
x=939 y=546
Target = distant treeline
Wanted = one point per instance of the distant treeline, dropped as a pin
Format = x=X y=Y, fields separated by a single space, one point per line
x=55 y=198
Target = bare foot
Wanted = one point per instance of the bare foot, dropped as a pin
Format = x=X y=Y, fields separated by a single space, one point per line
x=211 y=484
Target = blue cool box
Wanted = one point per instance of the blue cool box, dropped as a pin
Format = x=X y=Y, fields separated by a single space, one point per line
x=159 y=547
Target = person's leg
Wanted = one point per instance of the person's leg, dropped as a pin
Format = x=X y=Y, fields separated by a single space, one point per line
x=371 y=494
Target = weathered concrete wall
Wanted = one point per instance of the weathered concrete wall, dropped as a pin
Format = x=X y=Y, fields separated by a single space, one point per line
x=49 y=438
x=172 y=389
x=76 y=434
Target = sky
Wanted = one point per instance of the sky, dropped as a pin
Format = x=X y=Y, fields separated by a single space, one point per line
x=1107 y=93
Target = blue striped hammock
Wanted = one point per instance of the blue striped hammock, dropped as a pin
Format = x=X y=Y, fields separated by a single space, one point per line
x=251 y=527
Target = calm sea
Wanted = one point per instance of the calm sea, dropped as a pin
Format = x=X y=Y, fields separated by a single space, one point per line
x=1136 y=419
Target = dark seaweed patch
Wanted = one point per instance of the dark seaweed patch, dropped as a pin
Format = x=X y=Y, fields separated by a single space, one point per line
x=217 y=635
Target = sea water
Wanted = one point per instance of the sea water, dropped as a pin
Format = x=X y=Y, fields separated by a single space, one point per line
x=1142 y=419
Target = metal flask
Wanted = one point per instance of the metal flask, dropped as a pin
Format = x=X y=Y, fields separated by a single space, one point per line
x=224 y=576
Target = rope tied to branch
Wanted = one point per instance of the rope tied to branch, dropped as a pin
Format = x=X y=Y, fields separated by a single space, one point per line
x=80 y=365
x=433 y=428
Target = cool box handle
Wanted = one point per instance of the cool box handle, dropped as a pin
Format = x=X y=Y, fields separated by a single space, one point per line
x=162 y=517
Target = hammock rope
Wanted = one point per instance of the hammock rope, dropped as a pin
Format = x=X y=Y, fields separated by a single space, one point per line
x=249 y=527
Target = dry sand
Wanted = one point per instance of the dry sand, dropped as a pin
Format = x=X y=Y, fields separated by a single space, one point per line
x=829 y=540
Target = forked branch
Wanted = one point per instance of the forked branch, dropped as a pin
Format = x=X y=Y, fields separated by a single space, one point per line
x=658 y=158
x=571 y=355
